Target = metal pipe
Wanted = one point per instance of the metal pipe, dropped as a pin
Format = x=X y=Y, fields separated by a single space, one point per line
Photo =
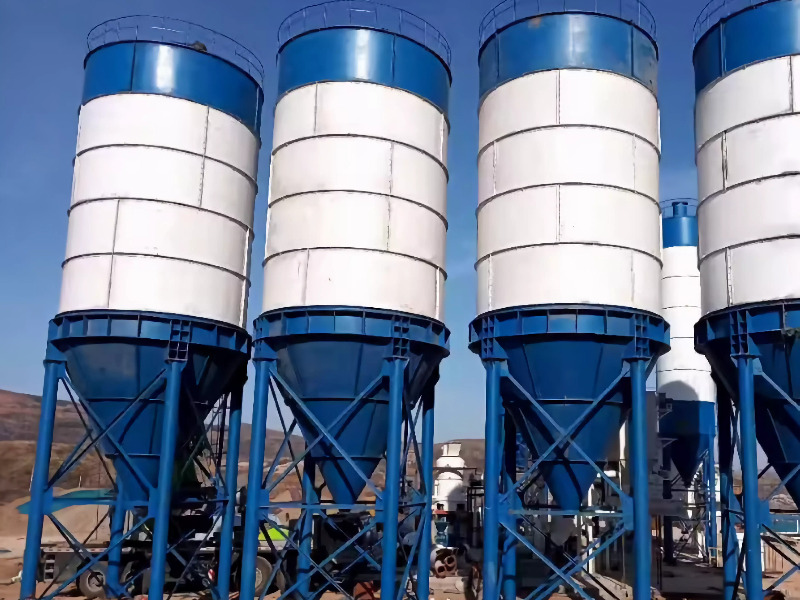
x=749 y=460
x=304 y=566
x=640 y=483
x=231 y=481
x=730 y=546
x=256 y=468
x=711 y=503
x=117 y=533
x=509 y=551
x=491 y=516
x=424 y=553
x=41 y=473
x=391 y=491
x=166 y=468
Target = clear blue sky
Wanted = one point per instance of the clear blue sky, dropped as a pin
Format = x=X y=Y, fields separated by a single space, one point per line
x=42 y=45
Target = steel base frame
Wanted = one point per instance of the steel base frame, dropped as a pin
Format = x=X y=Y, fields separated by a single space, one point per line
x=504 y=511
x=399 y=505
x=163 y=499
x=743 y=570
x=705 y=505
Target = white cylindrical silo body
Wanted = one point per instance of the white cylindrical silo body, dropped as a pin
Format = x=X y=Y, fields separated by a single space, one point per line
x=568 y=181
x=748 y=157
x=164 y=184
x=357 y=204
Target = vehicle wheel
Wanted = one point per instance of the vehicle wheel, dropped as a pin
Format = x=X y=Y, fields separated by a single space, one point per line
x=263 y=573
x=92 y=582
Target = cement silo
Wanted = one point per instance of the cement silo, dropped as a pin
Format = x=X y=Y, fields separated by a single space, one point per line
x=149 y=338
x=569 y=266
x=351 y=335
x=746 y=117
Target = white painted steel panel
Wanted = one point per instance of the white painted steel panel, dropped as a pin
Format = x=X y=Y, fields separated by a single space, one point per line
x=754 y=92
x=363 y=109
x=682 y=261
x=356 y=220
x=357 y=200
x=681 y=291
x=597 y=275
x=553 y=98
x=763 y=149
x=686 y=384
x=682 y=357
x=569 y=214
x=162 y=209
x=568 y=155
x=337 y=276
x=758 y=272
x=710 y=170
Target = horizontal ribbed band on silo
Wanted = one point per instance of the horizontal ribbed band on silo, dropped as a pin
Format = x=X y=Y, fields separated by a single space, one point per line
x=757 y=33
x=366 y=55
x=175 y=71
x=547 y=42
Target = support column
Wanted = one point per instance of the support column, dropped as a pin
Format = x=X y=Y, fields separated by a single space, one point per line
x=304 y=567
x=118 y=512
x=639 y=482
x=39 y=481
x=509 y=558
x=669 y=542
x=424 y=553
x=231 y=482
x=252 y=517
x=166 y=468
x=749 y=458
x=711 y=503
x=730 y=547
x=391 y=491
x=491 y=516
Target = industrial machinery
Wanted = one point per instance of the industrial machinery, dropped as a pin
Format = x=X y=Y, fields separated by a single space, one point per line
x=745 y=57
x=351 y=337
x=149 y=341
x=569 y=278
x=688 y=426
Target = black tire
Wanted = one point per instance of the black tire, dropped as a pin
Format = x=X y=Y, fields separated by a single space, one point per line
x=92 y=582
x=263 y=573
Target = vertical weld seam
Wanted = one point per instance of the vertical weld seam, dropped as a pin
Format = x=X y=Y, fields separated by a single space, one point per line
x=724 y=142
x=304 y=267
x=791 y=85
x=558 y=97
x=391 y=167
x=494 y=167
x=633 y=137
x=490 y=280
x=558 y=212
x=203 y=160
x=248 y=257
x=113 y=254
x=633 y=279
x=316 y=107
x=729 y=276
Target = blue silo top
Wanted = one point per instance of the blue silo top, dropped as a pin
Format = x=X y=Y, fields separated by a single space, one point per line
x=679 y=223
x=730 y=34
x=348 y=40
x=157 y=55
x=519 y=37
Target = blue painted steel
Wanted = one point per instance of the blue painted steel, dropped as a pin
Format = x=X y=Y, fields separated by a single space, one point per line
x=565 y=357
x=509 y=551
x=424 y=557
x=568 y=41
x=640 y=484
x=258 y=436
x=231 y=484
x=710 y=474
x=327 y=356
x=770 y=331
x=491 y=500
x=113 y=357
x=304 y=566
x=679 y=227
x=691 y=424
x=117 y=535
x=391 y=493
x=757 y=33
x=176 y=71
x=40 y=494
x=166 y=470
x=730 y=543
x=364 y=54
x=748 y=456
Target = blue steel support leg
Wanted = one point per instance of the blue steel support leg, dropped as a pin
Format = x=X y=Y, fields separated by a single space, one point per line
x=669 y=542
x=166 y=468
x=749 y=457
x=231 y=477
x=491 y=515
x=391 y=492
x=730 y=553
x=509 y=559
x=711 y=503
x=424 y=555
x=41 y=473
x=640 y=483
x=118 y=512
x=304 y=567
x=253 y=508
